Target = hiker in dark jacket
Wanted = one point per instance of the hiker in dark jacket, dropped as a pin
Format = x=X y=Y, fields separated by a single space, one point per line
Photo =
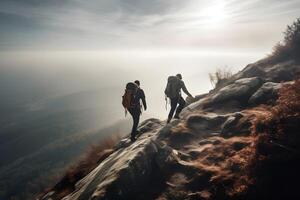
x=173 y=91
x=135 y=109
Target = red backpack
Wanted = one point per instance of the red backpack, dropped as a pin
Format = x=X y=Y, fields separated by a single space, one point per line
x=128 y=96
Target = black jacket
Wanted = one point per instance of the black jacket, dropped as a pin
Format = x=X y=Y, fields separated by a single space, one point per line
x=140 y=95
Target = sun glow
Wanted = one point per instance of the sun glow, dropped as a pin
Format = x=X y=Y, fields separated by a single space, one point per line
x=216 y=14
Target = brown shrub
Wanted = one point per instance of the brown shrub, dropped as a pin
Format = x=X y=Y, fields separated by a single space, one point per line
x=95 y=154
x=287 y=108
x=278 y=147
x=221 y=75
x=290 y=46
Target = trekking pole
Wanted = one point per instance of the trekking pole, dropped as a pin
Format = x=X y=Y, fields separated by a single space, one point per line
x=166 y=102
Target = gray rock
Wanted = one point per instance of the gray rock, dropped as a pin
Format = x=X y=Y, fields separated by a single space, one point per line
x=285 y=71
x=228 y=126
x=271 y=72
x=123 y=143
x=149 y=125
x=209 y=122
x=193 y=106
x=268 y=91
x=235 y=126
x=190 y=100
x=240 y=90
x=165 y=131
x=165 y=157
x=252 y=70
x=125 y=171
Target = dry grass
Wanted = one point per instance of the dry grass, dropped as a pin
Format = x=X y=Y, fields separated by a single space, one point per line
x=278 y=146
x=228 y=163
x=220 y=76
x=287 y=107
x=90 y=160
x=290 y=46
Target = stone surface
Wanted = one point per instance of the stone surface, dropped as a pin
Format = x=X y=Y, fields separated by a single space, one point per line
x=234 y=127
x=124 y=172
x=240 y=90
x=190 y=100
x=208 y=122
x=268 y=91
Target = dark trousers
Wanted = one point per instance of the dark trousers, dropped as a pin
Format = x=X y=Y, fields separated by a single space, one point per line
x=135 y=113
x=174 y=103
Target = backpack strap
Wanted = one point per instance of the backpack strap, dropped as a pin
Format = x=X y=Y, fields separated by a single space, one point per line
x=126 y=112
x=166 y=98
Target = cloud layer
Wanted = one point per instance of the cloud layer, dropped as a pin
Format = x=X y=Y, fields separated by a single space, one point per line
x=115 y=24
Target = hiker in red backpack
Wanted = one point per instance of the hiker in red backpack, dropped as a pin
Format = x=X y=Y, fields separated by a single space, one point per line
x=131 y=102
x=173 y=92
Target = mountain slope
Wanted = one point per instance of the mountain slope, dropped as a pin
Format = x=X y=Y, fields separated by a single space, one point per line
x=219 y=149
x=34 y=171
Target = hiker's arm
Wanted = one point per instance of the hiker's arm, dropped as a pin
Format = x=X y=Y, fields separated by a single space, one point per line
x=144 y=100
x=185 y=90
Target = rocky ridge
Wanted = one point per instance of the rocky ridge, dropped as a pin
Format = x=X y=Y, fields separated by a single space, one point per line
x=207 y=154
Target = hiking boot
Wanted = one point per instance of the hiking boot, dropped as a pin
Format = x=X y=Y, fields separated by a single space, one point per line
x=138 y=133
x=132 y=138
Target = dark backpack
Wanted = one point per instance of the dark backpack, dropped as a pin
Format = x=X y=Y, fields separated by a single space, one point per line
x=128 y=96
x=173 y=87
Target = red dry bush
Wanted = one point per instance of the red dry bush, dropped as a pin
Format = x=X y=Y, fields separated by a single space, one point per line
x=288 y=103
x=285 y=111
x=94 y=155
x=278 y=147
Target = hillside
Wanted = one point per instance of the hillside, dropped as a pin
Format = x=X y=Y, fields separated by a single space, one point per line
x=41 y=140
x=230 y=143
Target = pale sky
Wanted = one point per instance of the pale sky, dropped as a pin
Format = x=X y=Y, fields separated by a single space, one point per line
x=249 y=25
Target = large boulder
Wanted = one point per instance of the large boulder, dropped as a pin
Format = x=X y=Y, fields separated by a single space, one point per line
x=236 y=125
x=194 y=106
x=268 y=91
x=285 y=71
x=208 y=122
x=190 y=100
x=252 y=70
x=126 y=172
x=271 y=72
x=240 y=90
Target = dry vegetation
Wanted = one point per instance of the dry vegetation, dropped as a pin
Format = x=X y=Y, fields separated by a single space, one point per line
x=279 y=118
x=261 y=165
x=276 y=166
x=94 y=155
x=289 y=48
x=219 y=76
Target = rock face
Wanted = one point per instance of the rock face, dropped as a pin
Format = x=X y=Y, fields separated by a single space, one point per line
x=124 y=173
x=283 y=71
x=240 y=90
x=268 y=91
x=207 y=154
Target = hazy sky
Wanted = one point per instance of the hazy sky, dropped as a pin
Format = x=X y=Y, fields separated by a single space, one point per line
x=251 y=25
x=60 y=47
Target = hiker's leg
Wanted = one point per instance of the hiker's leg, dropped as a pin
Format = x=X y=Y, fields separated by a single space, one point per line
x=180 y=107
x=174 y=102
x=136 y=119
x=132 y=113
x=136 y=112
